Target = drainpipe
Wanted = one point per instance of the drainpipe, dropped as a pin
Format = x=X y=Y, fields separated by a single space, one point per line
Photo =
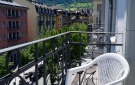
x=110 y=20
x=111 y=15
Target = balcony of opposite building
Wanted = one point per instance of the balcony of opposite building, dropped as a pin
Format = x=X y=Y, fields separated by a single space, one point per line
x=13 y=13
x=13 y=28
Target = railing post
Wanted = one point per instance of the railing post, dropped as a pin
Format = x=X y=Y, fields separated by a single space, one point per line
x=66 y=51
x=63 y=78
x=89 y=28
x=80 y=57
x=69 y=61
x=36 y=66
x=44 y=63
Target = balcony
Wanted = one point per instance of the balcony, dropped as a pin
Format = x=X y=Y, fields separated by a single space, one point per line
x=48 y=22
x=51 y=66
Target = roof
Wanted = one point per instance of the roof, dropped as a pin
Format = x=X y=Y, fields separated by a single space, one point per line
x=12 y=4
x=40 y=5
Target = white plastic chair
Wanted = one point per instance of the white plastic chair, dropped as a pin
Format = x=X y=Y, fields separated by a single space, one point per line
x=112 y=69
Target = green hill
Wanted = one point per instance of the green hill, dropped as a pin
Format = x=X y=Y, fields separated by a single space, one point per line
x=74 y=6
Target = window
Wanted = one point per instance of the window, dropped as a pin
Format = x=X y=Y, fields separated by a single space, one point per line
x=25 y=33
x=14 y=35
x=9 y=13
x=59 y=19
x=10 y=36
x=4 y=37
x=3 y=24
x=2 y=11
x=24 y=23
x=24 y=13
x=21 y=13
x=99 y=6
x=18 y=36
x=39 y=10
x=59 y=25
x=10 y=24
x=43 y=10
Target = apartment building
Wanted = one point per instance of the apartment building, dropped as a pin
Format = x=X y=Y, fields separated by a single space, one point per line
x=97 y=5
x=13 y=23
x=82 y=16
x=58 y=17
x=66 y=17
x=46 y=17
x=40 y=17
x=62 y=17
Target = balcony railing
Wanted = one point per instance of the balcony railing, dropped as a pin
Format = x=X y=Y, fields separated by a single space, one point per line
x=40 y=23
x=13 y=16
x=14 y=27
x=96 y=27
x=49 y=65
x=12 y=39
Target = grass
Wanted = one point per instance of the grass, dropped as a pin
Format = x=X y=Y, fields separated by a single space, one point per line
x=71 y=9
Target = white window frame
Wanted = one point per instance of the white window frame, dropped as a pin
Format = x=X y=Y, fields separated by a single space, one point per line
x=3 y=24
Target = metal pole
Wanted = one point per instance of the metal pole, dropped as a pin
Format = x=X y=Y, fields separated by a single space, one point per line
x=36 y=66
x=44 y=63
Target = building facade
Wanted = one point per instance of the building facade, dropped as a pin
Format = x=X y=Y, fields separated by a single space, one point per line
x=13 y=24
x=45 y=20
x=40 y=17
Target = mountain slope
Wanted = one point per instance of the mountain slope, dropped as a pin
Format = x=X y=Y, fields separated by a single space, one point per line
x=63 y=1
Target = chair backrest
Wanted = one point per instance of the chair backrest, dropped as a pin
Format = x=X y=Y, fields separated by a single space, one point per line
x=112 y=69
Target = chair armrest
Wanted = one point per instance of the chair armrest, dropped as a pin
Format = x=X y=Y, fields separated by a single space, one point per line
x=75 y=70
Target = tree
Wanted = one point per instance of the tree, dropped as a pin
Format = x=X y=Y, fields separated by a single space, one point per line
x=27 y=53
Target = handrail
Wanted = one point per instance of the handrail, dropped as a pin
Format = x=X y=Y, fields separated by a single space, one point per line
x=30 y=43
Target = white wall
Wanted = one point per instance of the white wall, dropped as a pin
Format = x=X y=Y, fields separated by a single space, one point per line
x=125 y=23
x=130 y=41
